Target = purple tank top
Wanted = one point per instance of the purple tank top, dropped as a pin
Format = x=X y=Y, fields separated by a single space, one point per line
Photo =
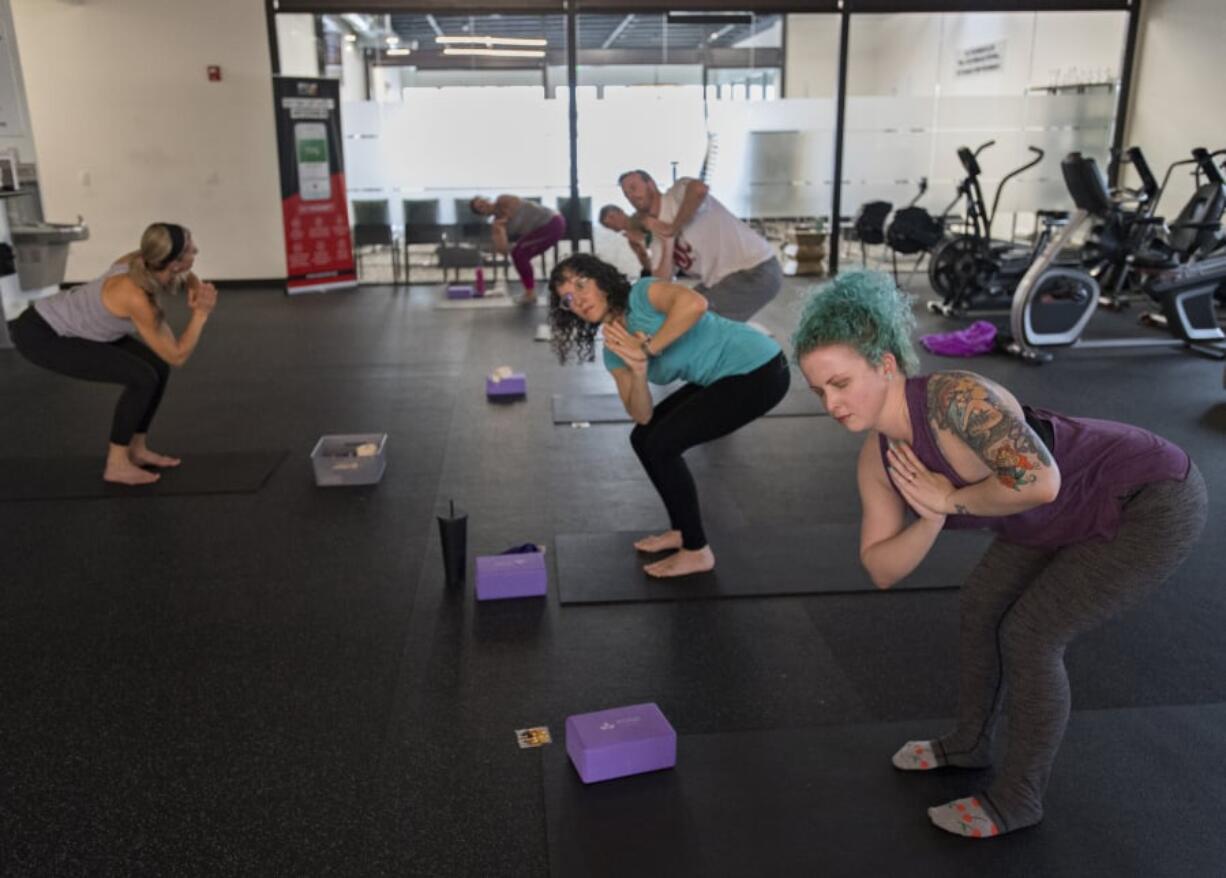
x=1101 y=464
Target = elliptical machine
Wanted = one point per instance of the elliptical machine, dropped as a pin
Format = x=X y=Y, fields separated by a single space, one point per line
x=971 y=271
x=1053 y=304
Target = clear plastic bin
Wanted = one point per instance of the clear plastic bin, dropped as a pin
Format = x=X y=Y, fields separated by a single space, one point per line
x=337 y=464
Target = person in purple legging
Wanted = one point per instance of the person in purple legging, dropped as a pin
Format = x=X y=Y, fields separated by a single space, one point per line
x=1090 y=516
x=523 y=230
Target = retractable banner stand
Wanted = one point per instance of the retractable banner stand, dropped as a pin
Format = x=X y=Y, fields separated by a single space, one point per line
x=318 y=246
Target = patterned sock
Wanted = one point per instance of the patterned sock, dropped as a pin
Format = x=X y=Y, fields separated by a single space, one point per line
x=916 y=756
x=964 y=817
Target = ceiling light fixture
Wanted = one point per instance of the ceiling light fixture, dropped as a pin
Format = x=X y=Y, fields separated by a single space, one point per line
x=396 y=52
x=490 y=42
x=497 y=53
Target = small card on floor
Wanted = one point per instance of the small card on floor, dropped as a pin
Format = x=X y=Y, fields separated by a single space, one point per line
x=537 y=736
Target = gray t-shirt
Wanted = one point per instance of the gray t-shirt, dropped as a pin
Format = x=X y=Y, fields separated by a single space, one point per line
x=528 y=218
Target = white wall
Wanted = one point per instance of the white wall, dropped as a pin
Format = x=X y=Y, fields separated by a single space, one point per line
x=353 y=73
x=1176 y=97
x=296 y=45
x=129 y=130
x=913 y=53
x=16 y=113
x=811 y=54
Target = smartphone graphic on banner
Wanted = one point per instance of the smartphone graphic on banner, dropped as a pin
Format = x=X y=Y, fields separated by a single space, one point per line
x=311 y=148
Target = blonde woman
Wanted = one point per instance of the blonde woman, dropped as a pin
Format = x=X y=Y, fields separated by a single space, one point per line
x=88 y=331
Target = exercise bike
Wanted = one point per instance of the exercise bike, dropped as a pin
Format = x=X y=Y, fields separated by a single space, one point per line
x=1119 y=234
x=1053 y=304
x=971 y=271
x=1197 y=230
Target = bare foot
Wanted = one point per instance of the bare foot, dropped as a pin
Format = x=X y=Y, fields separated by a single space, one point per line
x=145 y=457
x=660 y=542
x=683 y=563
x=128 y=473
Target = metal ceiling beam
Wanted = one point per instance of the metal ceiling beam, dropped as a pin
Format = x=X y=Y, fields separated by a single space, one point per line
x=617 y=31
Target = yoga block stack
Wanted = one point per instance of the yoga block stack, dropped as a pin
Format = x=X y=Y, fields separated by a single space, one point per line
x=502 y=384
x=510 y=576
x=460 y=291
x=620 y=742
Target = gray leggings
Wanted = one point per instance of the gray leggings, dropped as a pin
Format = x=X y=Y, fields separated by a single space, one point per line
x=1021 y=607
x=743 y=294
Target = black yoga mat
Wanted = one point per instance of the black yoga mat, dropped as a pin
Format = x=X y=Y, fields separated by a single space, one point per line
x=750 y=562
x=1134 y=792
x=607 y=408
x=60 y=478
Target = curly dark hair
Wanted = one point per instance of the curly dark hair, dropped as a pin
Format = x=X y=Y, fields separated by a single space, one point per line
x=573 y=337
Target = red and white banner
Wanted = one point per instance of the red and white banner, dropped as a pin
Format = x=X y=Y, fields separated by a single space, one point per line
x=318 y=245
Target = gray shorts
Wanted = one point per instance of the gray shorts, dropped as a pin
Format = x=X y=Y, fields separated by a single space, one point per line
x=743 y=294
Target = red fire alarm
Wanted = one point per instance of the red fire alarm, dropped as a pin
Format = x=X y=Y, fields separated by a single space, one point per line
x=214 y=73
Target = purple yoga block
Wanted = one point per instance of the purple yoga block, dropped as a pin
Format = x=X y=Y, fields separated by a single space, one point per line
x=620 y=742
x=510 y=576
x=458 y=291
x=515 y=385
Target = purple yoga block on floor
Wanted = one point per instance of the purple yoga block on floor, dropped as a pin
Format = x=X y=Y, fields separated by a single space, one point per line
x=510 y=576
x=515 y=385
x=457 y=291
x=620 y=742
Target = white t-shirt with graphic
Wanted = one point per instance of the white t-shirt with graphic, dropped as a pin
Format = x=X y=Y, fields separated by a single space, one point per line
x=714 y=243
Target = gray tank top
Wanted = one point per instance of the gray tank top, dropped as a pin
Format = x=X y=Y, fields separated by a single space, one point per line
x=79 y=312
x=528 y=218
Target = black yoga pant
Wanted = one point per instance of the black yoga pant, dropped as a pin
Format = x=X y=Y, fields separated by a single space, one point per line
x=694 y=415
x=127 y=362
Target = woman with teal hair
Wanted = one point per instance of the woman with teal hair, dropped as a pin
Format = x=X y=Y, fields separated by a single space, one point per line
x=1090 y=516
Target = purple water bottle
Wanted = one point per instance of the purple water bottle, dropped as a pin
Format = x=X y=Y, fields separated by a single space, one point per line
x=480 y=285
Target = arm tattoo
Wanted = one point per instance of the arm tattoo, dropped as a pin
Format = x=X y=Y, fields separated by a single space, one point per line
x=961 y=510
x=963 y=405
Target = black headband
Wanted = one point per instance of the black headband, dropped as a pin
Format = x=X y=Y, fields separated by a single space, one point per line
x=178 y=240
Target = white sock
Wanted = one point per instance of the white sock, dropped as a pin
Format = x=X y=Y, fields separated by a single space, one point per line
x=964 y=817
x=916 y=756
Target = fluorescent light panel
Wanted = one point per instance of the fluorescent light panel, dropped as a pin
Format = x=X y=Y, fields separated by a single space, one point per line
x=489 y=42
x=497 y=53
x=396 y=52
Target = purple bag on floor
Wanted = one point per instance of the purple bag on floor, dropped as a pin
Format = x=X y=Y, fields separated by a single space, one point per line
x=978 y=338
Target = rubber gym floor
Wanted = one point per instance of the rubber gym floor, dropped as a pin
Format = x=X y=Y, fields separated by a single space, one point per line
x=279 y=682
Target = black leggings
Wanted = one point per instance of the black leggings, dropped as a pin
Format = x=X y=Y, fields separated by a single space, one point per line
x=127 y=361
x=694 y=415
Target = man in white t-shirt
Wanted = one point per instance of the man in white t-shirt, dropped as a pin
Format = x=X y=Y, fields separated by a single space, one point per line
x=737 y=269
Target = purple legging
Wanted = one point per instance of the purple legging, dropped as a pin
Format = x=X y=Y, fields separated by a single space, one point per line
x=533 y=245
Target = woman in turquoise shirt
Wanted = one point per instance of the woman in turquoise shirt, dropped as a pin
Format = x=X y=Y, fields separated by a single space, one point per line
x=658 y=332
